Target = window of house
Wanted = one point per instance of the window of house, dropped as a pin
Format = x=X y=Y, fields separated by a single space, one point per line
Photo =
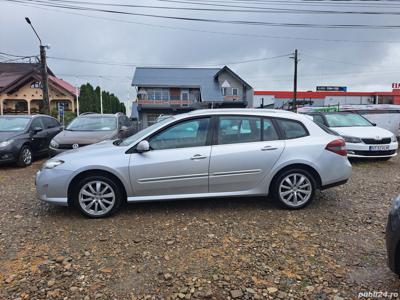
x=225 y=91
x=158 y=94
x=36 y=85
x=184 y=95
x=191 y=133
x=292 y=129
x=238 y=129
x=235 y=92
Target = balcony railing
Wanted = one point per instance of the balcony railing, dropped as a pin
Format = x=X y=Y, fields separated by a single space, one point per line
x=164 y=103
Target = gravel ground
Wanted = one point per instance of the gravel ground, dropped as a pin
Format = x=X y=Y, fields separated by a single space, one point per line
x=244 y=248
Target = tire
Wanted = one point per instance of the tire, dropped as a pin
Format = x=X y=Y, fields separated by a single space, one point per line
x=89 y=196
x=287 y=194
x=25 y=157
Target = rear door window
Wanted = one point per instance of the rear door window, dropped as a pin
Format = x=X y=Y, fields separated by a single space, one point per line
x=292 y=129
x=269 y=131
x=238 y=129
x=50 y=123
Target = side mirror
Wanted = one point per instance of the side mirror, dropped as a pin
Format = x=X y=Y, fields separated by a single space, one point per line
x=373 y=124
x=143 y=146
x=124 y=128
x=37 y=129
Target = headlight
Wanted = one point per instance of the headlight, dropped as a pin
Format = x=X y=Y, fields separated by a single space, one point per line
x=51 y=164
x=54 y=144
x=351 y=139
x=394 y=139
x=6 y=143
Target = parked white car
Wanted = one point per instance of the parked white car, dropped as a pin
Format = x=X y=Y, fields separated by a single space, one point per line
x=363 y=138
x=201 y=154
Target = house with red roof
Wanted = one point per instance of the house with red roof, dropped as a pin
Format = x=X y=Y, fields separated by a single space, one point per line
x=21 y=90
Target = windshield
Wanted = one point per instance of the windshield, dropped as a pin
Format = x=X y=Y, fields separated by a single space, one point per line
x=346 y=120
x=13 y=124
x=93 y=124
x=144 y=132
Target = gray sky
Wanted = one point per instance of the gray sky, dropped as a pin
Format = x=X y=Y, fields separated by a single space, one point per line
x=359 y=66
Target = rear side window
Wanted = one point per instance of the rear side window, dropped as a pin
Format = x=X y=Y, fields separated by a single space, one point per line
x=238 y=129
x=292 y=129
x=318 y=119
x=269 y=131
x=50 y=123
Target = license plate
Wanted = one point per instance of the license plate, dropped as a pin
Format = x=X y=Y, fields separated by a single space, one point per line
x=379 y=148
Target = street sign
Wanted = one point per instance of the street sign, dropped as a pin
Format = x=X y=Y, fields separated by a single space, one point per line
x=61 y=109
x=332 y=88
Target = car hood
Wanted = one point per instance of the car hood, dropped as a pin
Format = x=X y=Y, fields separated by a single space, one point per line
x=82 y=137
x=4 y=136
x=101 y=148
x=372 y=132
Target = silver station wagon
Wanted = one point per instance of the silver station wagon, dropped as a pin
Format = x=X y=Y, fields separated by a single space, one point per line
x=201 y=154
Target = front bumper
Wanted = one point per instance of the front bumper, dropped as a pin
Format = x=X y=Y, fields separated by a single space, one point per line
x=52 y=185
x=7 y=155
x=364 y=151
x=53 y=151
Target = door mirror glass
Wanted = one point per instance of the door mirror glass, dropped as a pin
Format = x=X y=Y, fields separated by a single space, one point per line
x=143 y=146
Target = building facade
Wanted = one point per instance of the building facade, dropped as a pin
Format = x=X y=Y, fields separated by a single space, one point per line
x=284 y=99
x=169 y=91
x=21 y=90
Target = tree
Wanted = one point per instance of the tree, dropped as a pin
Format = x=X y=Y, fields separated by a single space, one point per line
x=89 y=101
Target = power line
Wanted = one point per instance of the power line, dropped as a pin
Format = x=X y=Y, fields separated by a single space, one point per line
x=215 y=32
x=220 y=21
x=245 y=9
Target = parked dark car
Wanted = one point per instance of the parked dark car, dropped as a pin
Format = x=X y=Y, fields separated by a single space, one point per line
x=393 y=237
x=91 y=128
x=24 y=137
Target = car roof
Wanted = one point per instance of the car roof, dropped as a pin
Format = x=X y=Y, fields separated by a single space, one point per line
x=26 y=116
x=243 y=111
x=98 y=115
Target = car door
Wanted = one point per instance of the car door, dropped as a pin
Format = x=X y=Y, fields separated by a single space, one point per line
x=245 y=148
x=39 y=136
x=177 y=163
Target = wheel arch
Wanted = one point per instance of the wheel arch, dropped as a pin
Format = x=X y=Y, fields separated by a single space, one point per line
x=301 y=166
x=74 y=182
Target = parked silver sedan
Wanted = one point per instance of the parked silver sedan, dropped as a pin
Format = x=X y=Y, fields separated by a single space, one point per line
x=201 y=154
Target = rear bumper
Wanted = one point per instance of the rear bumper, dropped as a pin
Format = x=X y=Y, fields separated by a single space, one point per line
x=331 y=185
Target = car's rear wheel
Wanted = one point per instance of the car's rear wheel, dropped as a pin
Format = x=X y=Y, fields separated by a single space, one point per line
x=25 y=157
x=294 y=188
x=98 y=196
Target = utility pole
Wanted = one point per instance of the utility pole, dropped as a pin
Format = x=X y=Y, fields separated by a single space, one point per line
x=45 y=82
x=296 y=61
x=101 y=102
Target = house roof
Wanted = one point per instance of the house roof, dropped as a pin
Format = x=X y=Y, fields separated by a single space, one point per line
x=321 y=94
x=228 y=70
x=13 y=75
x=203 y=78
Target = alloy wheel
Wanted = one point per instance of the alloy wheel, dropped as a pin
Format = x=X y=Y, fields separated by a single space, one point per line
x=97 y=198
x=27 y=156
x=295 y=190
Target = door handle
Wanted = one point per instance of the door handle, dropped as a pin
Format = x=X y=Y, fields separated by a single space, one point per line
x=268 y=148
x=198 y=156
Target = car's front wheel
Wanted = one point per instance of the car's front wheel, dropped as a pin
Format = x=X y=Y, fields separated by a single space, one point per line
x=294 y=188
x=98 y=196
x=25 y=157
